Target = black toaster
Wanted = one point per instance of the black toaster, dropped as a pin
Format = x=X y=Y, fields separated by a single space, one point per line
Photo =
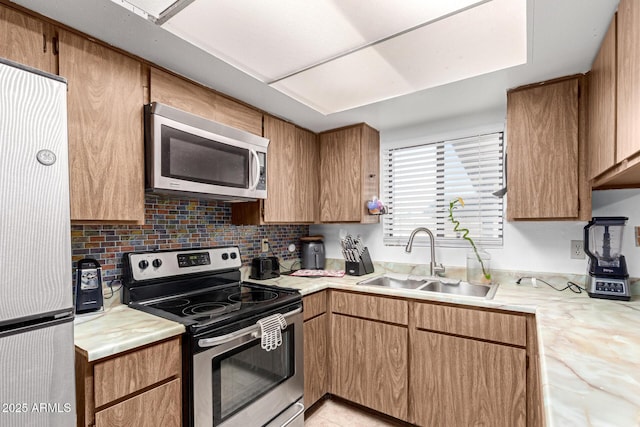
x=265 y=268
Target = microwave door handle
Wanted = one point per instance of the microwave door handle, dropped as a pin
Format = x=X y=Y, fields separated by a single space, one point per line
x=256 y=169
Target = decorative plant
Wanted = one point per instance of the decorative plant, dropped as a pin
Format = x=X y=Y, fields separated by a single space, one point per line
x=465 y=233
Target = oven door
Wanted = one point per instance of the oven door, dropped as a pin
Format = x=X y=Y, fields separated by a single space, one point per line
x=237 y=383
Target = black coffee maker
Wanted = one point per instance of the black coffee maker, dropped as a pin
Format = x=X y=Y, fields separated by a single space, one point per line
x=608 y=276
x=88 y=292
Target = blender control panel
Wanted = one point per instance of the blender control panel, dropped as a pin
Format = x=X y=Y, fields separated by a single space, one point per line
x=611 y=286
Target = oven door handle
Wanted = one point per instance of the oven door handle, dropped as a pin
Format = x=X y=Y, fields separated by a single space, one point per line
x=253 y=330
x=294 y=416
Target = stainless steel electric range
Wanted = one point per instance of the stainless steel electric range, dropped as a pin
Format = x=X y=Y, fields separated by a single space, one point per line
x=242 y=350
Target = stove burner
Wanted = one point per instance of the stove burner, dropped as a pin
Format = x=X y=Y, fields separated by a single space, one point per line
x=253 y=296
x=174 y=303
x=208 y=308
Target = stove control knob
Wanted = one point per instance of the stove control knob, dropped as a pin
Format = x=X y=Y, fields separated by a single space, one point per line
x=143 y=264
x=157 y=262
x=233 y=255
x=225 y=256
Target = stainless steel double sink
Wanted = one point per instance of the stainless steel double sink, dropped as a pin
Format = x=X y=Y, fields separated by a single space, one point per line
x=433 y=284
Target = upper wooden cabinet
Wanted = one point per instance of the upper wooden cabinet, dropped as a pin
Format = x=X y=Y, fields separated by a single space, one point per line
x=292 y=178
x=602 y=106
x=182 y=94
x=26 y=40
x=547 y=152
x=349 y=173
x=617 y=103
x=628 y=79
x=106 y=147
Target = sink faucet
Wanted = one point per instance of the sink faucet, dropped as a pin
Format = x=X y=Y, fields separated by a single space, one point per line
x=434 y=268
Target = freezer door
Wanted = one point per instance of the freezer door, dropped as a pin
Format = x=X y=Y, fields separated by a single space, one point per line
x=35 y=237
x=37 y=386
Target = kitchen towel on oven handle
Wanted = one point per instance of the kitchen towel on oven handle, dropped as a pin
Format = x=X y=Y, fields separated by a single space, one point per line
x=270 y=328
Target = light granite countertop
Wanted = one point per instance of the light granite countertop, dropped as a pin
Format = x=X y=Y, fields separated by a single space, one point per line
x=119 y=328
x=589 y=348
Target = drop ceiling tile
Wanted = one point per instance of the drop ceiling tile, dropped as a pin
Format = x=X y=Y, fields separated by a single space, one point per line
x=271 y=39
x=487 y=38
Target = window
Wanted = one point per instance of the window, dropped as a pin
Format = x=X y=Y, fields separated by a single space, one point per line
x=422 y=179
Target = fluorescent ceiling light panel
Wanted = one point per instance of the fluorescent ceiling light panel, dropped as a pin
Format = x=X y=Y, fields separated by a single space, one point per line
x=272 y=39
x=481 y=40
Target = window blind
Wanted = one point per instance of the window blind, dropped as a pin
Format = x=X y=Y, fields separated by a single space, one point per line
x=420 y=181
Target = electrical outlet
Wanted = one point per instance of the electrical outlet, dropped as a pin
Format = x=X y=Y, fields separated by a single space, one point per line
x=265 y=245
x=577 y=249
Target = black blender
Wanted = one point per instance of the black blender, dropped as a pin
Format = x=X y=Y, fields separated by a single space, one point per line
x=608 y=275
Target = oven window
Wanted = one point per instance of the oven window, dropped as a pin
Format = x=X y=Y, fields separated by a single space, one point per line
x=244 y=374
x=193 y=158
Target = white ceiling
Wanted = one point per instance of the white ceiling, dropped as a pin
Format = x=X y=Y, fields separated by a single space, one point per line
x=563 y=37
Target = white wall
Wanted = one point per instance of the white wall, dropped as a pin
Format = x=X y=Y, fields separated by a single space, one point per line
x=528 y=246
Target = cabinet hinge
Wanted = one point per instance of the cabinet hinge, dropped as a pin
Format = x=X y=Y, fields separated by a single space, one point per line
x=55 y=45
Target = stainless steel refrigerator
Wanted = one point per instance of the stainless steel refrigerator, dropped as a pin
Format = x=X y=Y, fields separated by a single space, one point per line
x=37 y=383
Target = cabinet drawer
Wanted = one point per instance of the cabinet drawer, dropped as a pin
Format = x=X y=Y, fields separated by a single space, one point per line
x=314 y=304
x=123 y=375
x=160 y=406
x=486 y=325
x=370 y=307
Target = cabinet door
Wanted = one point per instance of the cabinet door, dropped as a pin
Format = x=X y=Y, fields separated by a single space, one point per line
x=284 y=192
x=628 y=142
x=542 y=130
x=160 y=406
x=315 y=359
x=463 y=382
x=370 y=179
x=340 y=172
x=25 y=40
x=184 y=95
x=308 y=180
x=602 y=106
x=106 y=146
x=369 y=364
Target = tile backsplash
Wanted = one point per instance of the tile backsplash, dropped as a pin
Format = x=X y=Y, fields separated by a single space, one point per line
x=172 y=223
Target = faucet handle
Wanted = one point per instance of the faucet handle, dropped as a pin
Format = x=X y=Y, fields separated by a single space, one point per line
x=438 y=270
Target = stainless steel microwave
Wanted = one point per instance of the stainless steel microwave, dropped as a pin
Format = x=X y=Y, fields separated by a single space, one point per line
x=188 y=155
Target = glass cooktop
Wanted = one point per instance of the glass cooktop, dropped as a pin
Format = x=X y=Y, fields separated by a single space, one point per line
x=219 y=304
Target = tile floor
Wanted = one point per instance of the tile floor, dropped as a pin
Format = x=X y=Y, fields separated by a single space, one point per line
x=338 y=414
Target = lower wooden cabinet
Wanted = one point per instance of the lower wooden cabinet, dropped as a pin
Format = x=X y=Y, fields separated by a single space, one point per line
x=427 y=363
x=315 y=359
x=159 y=406
x=316 y=347
x=462 y=382
x=369 y=364
x=468 y=366
x=141 y=387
